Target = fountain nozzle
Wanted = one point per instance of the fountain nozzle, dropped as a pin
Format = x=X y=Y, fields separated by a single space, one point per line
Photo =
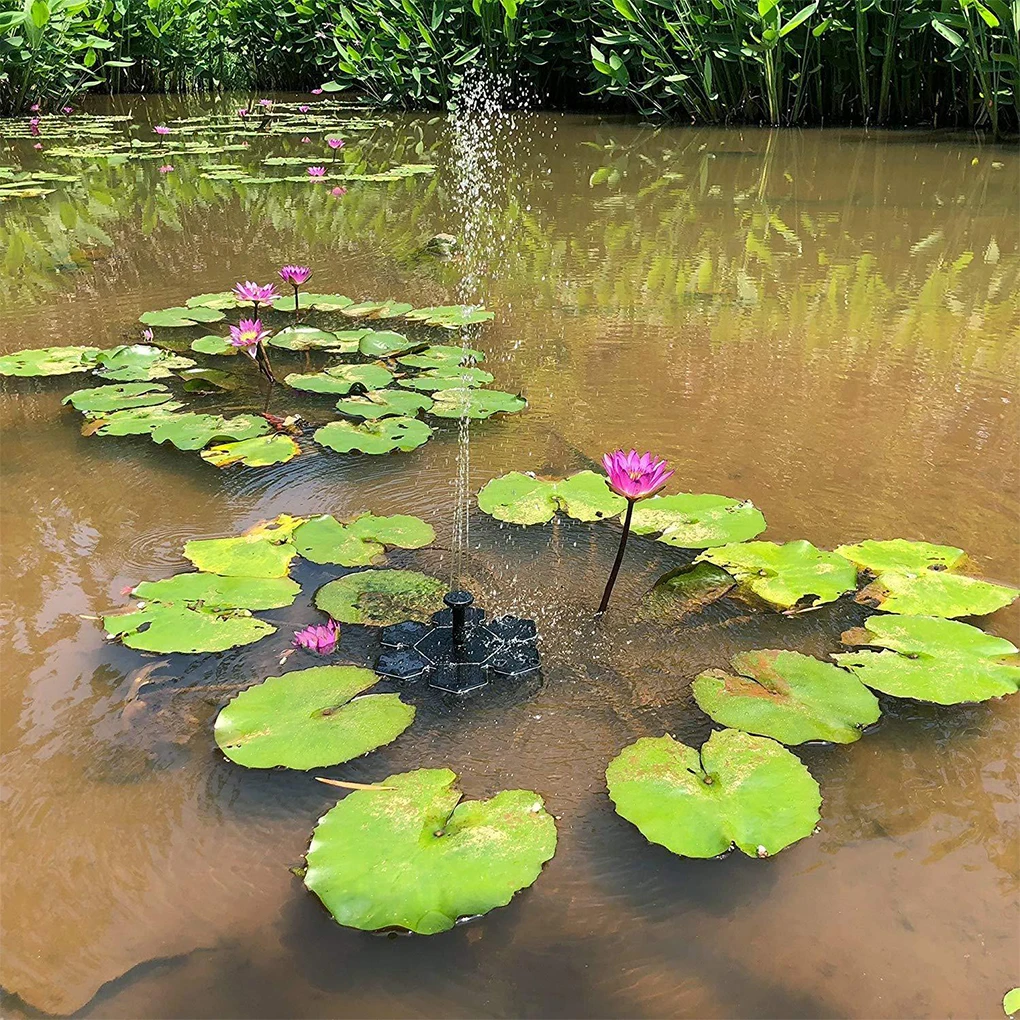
x=458 y=602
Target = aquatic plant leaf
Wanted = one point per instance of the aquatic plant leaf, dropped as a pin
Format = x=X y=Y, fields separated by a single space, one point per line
x=449 y=316
x=341 y=379
x=441 y=356
x=180 y=316
x=1011 y=1002
x=377 y=598
x=116 y=398
x=320 y=302
x=740 y=789
x=384 y=404
x=262 y=451
x=400 y=530
x=163 y=627
x=784 y=574
x=207 y=380
x=213 y=345
x=192 y=431
x=932 y=659
x=467 y=403
x=381 y=436
x=413 y=855
x=258 y=554
x=697 y=520
x=523 y=499
x=132 y=421
x=448 y=377
x=381 y=343
x=790 y=697
x=586 y=496
x=49 y=361
x=309 y=718
x=217 y=592
x=324 y=539
x=139 y=362
x=917 y=579
x=387 y=309
x=308 y=338
x=220 y=300
x=686 y=590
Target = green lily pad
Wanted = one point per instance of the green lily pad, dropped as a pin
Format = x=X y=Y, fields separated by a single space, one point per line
x=308 y=338
x=172 y=317
x=931 y=659
x=697 y=520
x=49 y=361
x=132 y=421
x=384 y=404
x=785 y=574
x=262 y=451
x=467 y=403
x=741 y=789
x=217 y=592
x=917 y=579
x=686 y=590
x=788 y=696
x=448 y=377
x=320 y=302
x=207 y=380
x=376 y=309
x=138 y=362
x=523 y=499
x=382 y=436
x=383 y=343
x=413 y=855
x=220 y=300
x=377 y=598
x=400 y=530
x=163 y=627
x=341 y=378
x=213 y=345
x=1011 y=1002
x=441 y=356
x=307 y=719
x=324 y=539
x=449 y=316
x=193 y=431
x=252 y=555
x=117 y=398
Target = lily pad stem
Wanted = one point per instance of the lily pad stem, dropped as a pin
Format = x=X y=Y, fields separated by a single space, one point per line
x=604 y=604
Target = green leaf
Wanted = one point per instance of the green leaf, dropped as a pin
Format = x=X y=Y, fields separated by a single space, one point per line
x=341 y=378
x=946 y=32
x=138 y=362
x=173 y=317
x=132 y=421
x=697 y=520
x=382 y=436
x=116 y=398
x=320 y=302
x=177 y=628
x=261 y=451
x=216 y=592
x=523 y=499
x=410 y=856
x=448 y=377
x=469 y=403
x=383 y=343
x=931 y=659
x=799 y=18
x=193 y=431
x=309 y=718
x=441 y=356
x=378 y=598
x=213 y=345
x=324 y=539
x=1011 y=1002
x=308 y=338
x=221 y=299
x=49 y=361
x=788 y=696
x=741 y=789
x=449 y=316
x=625 y=8
x=40 y=13
x=384 y=404
x=252 y=555
x=686 y=590
x=785 y=574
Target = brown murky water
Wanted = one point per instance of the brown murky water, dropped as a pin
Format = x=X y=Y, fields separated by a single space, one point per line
x=823 y=322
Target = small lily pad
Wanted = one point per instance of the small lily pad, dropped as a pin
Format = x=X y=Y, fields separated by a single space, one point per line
x=132 y=421
x=448 y=377
x=308 y=338
x=400 y=530
x=220 y=300
x=207 y=380
x=931 y=659
x=193 y=431
x=324 y=539
x=697 y=520
x=164 y=628
x=441 y=356
x=310 y=718
x=523 y=499
x=49 y=361
x=138 y=362
x=216 y=592
x=116 y=398
x=468 y=403
x=384 y=404
x=408 y=855
x=788 y=696
x=1011 y=1002
x=173 y=317
x=449 y=316
x=381 y=436
x=213 y=345
x=383 y=343
x=251 y=555
x=785 y=574
x=376 y=309
x=262 y=451
x=341 y=379
x=740 y=789
x=377 y=598
x=686 y=590
x=320 y=302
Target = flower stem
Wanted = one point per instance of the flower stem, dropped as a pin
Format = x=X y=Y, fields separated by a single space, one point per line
x=296 y=310
x=604 y=604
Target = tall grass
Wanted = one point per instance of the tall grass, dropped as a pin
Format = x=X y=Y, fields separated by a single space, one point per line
x=941 y=62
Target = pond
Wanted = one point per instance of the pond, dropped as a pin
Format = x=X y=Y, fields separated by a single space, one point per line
x=825 y=323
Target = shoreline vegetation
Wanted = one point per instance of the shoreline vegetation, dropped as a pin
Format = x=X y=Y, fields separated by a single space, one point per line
x=940 y=63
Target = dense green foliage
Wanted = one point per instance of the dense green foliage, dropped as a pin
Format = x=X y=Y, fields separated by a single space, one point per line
x=907 y=61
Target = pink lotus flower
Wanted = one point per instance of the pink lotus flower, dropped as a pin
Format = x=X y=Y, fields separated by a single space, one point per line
x=147 y=335
x=295 y=275
x=265 y=102
x=67 y=109
x=33 y=126
x=305 y=140
x=316 y=92
x=166 y=168
x=338 y=192
x=161 y=130
x=316 y=171
x=34 y=108
x=633 y=476
x=38 y=145
x=242 y=114
x=247 y=334
x=254 y=293
x=318 y=638
x=335 y=143
x=303 y=108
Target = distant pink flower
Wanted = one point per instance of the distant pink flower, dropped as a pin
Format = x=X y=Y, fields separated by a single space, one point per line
x=34 y=108
x=303 y=108
x=38 y=145
x=265 y=102
x=33 y=126
x=242 y=114
x=316 y=92
x=316 y=171
x=338 y=192
x=147 y=334
x=335 y=143
x=244 y=145
x=634 y=476
x=67 y=109
x=305 y=140
x=295 y=275
x=248 y=334
x=161 y=130
x=319 y=638
x=166 y=168
x=256 y=294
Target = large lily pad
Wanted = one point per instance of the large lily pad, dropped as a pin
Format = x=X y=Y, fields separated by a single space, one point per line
x=377 y=598
x=441 y=356
x=161 y=627
x=251 y=555
x=449 y=316
x=308 y=338
x=448 y=377
x=137 y=362
x=469 y=403
x=324 y=539
x=382 y=343
x=788 y=696
x=400 y=530
x=740 y=789
x=384 y=404
x=387 y=309
x=931 y=659
x=217 y=592
x=258 y=452
x=917 y=579
x=523 y=499
x=341 y=379
x=132 y=421
x=785 y=574
x=307 y=719
x=410 y=856
x=117 y=398
x=697 y=520
x=193 y=431
x=173 y=317
x=320 y=302
x=382 y=436
x=49 y=361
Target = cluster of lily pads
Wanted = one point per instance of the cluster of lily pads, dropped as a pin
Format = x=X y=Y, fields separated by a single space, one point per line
x=382 y=380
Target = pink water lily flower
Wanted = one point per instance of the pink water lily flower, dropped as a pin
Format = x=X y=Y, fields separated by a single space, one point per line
x=256 y=294
x=38 y=145
x=33 y=125
x=161 y=130
x=242 y=114
x=317 y=637
x=295 y=275
x=338 y=192
x=147 y=335
x=247 y=334
x=316 y=171
x=316 y=92
x=303 y=108
x=166 y=168
x=67 y=109
x=305 y=140
x=335 y=143
x=634 y=476
x=265 y=102
x=34 y=108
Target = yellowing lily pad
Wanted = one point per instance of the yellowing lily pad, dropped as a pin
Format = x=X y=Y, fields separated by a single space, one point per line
x=697 y=520
x=261 y=451
x=217 y=592
x=49 y=361
x=165 y=628
x=469 y=403
x=523 y=499
x=259 y=554
x=378 y=598
x=341 y=379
